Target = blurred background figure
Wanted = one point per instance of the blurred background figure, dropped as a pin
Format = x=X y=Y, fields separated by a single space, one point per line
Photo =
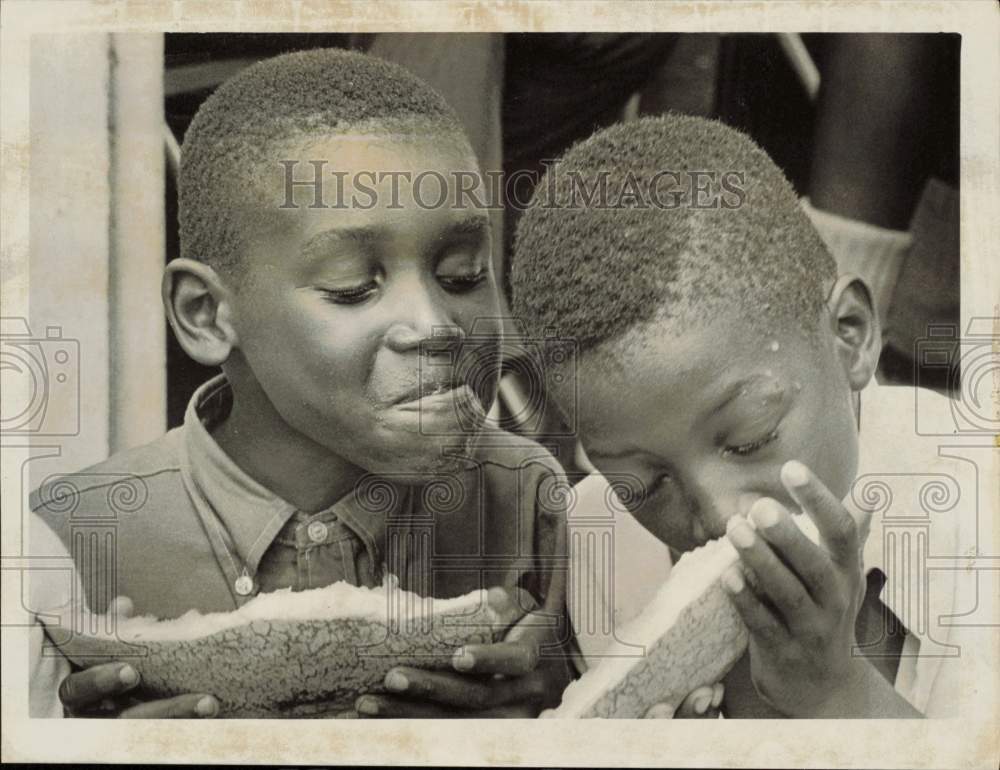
x=883 y=188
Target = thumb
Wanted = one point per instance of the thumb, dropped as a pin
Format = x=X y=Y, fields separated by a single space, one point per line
x=703 y=703
x=508 y=606
x=121 y=607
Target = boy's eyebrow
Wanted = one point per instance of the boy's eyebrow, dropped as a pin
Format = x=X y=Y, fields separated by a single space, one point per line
x=732 y=392
x=614 y=455
x=361 y=234
x=365 y=235
x=470 y=225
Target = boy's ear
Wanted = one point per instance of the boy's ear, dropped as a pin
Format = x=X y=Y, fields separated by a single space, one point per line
x=856 y=328
x=199 y=308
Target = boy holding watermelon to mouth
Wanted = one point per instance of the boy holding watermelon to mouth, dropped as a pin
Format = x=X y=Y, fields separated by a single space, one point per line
x=726 y=368
x=333 y=303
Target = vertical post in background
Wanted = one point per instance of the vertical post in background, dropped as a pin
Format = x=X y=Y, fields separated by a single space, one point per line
x=138 y=396
x=69 y=223
x=96 y=245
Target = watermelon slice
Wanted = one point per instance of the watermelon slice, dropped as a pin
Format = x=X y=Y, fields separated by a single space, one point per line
x=293 y=654
x=691 y=635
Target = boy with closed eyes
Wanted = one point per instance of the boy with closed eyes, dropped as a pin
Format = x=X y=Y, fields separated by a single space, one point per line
x=724 y=365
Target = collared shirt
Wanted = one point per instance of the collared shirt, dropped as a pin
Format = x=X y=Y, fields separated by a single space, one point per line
x=923 y=500
x=256 y=533
x=177 y=525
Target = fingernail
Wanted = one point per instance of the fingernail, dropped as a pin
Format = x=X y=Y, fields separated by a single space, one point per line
x=733 y=581
x=367 y=706
x=396 y=681
x=717 y=694
x=795 y=474
x=463 y=661
x=128 y=676
x=739 y=532
x=701 y=703
x=765 y=514
x=207 y=707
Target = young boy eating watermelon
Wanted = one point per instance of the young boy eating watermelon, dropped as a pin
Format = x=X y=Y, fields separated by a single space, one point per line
x=339 y=304
x=725 y=367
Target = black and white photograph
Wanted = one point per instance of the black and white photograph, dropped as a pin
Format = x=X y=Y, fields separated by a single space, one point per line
x=369 y=369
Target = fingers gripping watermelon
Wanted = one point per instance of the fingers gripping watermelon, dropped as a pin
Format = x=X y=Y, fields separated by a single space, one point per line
x=691 y=633
x=298 y=654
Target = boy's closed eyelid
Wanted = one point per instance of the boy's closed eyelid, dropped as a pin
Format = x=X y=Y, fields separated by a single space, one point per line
x=747 y=448
x=756 y=432
x=343 y=264
x=464 y=262
x=343 y=282
x=750 y=423
x=752 y=413
x=465 y=254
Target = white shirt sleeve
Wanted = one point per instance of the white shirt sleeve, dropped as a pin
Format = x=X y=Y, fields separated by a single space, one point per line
x=930 y=522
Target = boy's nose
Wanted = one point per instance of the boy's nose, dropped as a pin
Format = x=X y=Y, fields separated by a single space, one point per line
x=438 y=339
x=423 y=324
x=712 y=503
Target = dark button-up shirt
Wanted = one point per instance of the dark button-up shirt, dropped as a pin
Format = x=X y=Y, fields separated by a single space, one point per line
x=177 y=525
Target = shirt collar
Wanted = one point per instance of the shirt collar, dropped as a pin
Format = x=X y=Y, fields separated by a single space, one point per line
x=250 y=513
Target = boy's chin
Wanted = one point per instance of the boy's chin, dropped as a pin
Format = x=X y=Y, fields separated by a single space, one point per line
x=434 y=456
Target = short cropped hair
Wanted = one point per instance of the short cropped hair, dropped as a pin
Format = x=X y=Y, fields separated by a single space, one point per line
x=592 y=266
x=270 y=105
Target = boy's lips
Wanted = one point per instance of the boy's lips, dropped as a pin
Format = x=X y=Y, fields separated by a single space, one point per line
x=429 y=397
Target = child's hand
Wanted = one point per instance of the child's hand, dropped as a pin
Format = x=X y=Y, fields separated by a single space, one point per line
x=103 y=690
x=802 y=610
x=506 y=679
x=703 y=703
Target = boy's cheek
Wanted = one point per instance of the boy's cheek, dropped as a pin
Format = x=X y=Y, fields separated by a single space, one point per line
x=834 y=460
x=822 y=434
x=669 y=521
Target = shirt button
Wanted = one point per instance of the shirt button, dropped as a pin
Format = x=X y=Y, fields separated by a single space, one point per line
x=317 y=532
x=244 y=585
